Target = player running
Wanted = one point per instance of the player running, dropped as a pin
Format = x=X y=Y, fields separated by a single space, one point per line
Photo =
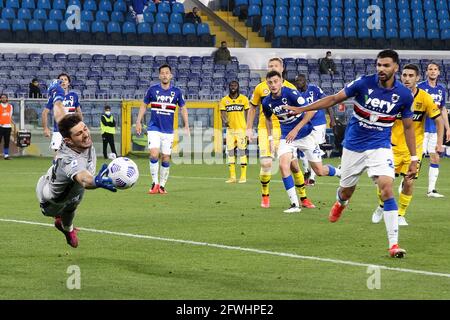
x=233 y=110
x=423 y=106
x=437 y=91
x=71 y=105
x=379 y=98
x=266 y=155
x=61 y=189
x=163 y=99
x=311 y=93
x=295 y=134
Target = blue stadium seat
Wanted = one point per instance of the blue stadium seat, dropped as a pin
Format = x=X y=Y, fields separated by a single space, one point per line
x=101 y=16
x=5 y=31
x=188 y=28
x=129 y=27
x=90 y=5
x=266 y=26
x=19 y=25
x=98 y=26
x=433 y=34
x=379 y=3
x=295 y=3
x=405 y=23
x=24 y=14
x=323 y=12
x=280 y=3
x=51 y=25
x=294 y=31
x=349 y=4
x=44 y=4
x=390 y=4
x=281 y=39
x=430 y=14
x=281 y=11
x=40 y=14
x=350 y=22
x=377 y=34
x=120 y=5
x=176 y=18
x=28 y=4
x=162 y=17
x=295 y=21
x=363 y=33
x=391 y=23
x=445 y=35
x=309 y=12
x=144 y=28
x=336 y=4
x=113 y=27
x=419 y=23
x=391 y=33
x=428 y=4
x=336 y=12
x=148 y=17
x=404 y=14
x=59 y=4
x=417 y=13
x=441 y=4
x=74 y=2
x=105 y=5
x=405 y=33
x=442 y=14
x=164 y=7
x=268 y=3
x=336 y=21
x=13 y=4
x=444 y=24
x=295 y=11
x=281 y=21
x=178 y=7
x=160 y=34
x=268 y=11
x=336 y=32
x=308 y=21
x=404 y=4
x=350 y=12
x=419 y=33
x=350 y=32
x=203 y=28
x=321 y=32
x=87 y=16
x=55 y=14
x=322 y=22
x=8 y=14
x=117 y=16
x=432 y=24
x=174 y=28
x=390 y=14
x=363 y=3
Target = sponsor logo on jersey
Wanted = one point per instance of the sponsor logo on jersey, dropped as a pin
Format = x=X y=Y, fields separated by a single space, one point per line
x=379 y=105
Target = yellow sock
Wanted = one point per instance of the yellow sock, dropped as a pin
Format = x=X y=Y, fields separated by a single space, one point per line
x=265 y=180
x=403 y=201
x=232 y=167
x=243 y=161
x=299 y=180
x=380 y=202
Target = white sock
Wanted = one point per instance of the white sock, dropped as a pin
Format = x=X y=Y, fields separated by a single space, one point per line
x=312 y=176
x=164 y=175
x=391 y=222
x=68 y=229
x=292 y=193
x=433 y=174
x=305 y=164
x=338 y=172
x=154 y=167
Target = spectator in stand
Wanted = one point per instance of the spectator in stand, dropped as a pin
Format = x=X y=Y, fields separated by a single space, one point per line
x=222 y=55
x=193 y=17
x=327 y=65
x=35 y=91
x=137 y=8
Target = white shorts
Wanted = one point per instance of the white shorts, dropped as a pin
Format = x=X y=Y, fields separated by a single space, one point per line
x=56 y=141
x=378 y=162
x=159 y=140
x=306 y=144
x=319 y=133
x=429 y=142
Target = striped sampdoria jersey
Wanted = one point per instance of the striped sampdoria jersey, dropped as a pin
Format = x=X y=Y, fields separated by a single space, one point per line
x=274 y=107
x=438 y=94
x=375 y=110
x=423 y=107
x=70 y=102
x=235 y=109
x=261 y=91
x=314 y=93
x=163 y=105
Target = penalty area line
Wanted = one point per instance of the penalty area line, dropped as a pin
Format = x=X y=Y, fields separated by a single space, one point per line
x=237 y=248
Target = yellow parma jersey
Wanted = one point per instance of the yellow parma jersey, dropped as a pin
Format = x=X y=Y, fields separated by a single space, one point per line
x=235 y=109
x=261 y=91
x=423 y=106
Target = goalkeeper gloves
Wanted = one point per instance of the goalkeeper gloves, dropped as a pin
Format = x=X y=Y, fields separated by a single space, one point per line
x=102 y=181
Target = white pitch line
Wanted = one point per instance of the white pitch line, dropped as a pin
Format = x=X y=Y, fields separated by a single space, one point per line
x=236 y=248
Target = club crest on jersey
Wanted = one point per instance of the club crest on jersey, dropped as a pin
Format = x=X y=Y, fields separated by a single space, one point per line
x=373 y=118
x=395 y=98
x=172 y=93
x=301 y=100
x=284 y=100
x=266 y=92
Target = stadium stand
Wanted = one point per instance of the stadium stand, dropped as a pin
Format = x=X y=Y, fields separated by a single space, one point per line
x=349 y=24
x=96 y=26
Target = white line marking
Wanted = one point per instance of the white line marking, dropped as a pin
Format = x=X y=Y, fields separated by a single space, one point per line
x=222 y=246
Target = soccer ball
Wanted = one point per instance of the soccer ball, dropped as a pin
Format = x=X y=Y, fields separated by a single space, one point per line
x=123 y=172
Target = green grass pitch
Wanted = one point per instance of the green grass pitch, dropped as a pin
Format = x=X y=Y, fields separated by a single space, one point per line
x=266 y=253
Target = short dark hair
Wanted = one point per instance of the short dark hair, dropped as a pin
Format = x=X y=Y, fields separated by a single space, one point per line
x=64 y=74
x=389 y=53
x=328 y=52
x=4 y=94
x=301 y=75
x=34 y=80
x=164 y=66
x=273 y=73
x=411 y=66
x=434 y=63
x=67 y=123
x=107 y=108
x=223 y=42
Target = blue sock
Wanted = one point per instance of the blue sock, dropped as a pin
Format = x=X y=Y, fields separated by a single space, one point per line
x=434 y=165
x=332 y=170
x=390 y=205
x=288 y=182
x=6 y=151
x=165 y=164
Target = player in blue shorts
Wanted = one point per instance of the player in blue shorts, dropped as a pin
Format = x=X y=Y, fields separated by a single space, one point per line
x=163 y=99
x=311 y=93
x=437 y=91
x=71 y=105
x=295 y=134
x=367 y=144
